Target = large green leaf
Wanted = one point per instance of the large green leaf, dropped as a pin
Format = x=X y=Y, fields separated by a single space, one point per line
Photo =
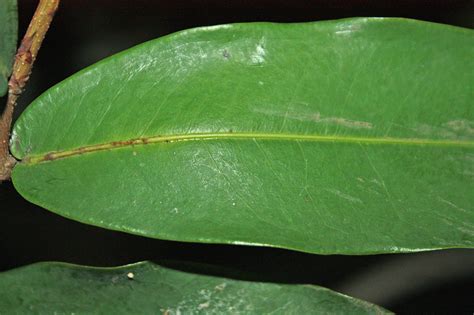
x=8 y=38
x=147 y=288
x=351 y=136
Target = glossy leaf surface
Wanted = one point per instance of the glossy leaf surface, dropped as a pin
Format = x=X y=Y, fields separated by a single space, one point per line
x=8 y=38
x=351 y=136
x=147 y=288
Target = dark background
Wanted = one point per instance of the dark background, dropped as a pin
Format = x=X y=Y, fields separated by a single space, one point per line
x=84 y=32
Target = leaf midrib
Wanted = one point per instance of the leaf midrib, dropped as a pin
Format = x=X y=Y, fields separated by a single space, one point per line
x=54 y=155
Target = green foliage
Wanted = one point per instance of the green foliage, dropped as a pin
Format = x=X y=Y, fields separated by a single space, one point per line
x=147 y=288
x=352 y=137
x=8 y=38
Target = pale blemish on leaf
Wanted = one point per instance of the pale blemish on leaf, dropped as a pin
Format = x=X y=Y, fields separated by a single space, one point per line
x=203 y=305
x=316 y=117
x=220 y=287
x=461 y=129
x=463 y=164
x=258 y=56
x=462 y=126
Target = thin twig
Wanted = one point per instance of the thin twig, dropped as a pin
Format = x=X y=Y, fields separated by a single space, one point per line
x=24 y=59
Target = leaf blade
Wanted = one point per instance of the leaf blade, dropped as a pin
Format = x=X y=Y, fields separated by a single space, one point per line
x=8 y=38
x=354 y=169
x=63 y=288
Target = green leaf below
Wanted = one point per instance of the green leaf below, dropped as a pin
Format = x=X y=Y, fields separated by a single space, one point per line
x=147 y=288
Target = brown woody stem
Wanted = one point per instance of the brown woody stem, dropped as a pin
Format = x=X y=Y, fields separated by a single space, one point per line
x=24 y=59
